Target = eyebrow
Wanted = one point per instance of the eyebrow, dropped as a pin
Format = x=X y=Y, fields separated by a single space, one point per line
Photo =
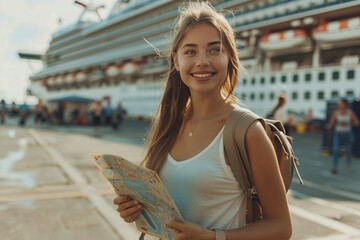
x=195 y=45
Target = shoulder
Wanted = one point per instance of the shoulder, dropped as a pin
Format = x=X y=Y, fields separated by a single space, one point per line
x=255 y=130
x=255 y=133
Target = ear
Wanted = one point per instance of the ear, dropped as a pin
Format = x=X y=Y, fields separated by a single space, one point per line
x=175 y=60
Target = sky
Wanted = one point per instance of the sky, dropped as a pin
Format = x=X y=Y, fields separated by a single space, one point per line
x=27 y=26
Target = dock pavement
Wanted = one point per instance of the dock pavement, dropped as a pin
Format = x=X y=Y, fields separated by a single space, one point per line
x=51 y=189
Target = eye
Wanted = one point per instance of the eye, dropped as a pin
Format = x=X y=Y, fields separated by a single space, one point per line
x=189 y=52
x=215 y=50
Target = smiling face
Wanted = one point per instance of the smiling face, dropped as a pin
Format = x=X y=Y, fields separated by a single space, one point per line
x=202 y=60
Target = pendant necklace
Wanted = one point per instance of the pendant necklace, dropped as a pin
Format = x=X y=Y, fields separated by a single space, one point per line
x=191 y=133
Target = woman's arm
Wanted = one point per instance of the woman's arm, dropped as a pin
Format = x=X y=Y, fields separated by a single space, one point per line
x=333 y=119
x=276 y=222
x=354 y=118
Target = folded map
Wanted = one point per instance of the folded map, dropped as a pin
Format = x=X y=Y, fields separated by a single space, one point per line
x=145 y=186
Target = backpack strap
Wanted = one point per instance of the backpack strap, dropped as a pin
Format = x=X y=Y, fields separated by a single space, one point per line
x=236 y=127
x=235 y=130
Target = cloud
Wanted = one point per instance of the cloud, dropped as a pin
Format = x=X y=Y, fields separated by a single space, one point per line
x=27 y=25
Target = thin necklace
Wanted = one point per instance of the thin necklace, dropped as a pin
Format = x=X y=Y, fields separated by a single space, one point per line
x=191 y=133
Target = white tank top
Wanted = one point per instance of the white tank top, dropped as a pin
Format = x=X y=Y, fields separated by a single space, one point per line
x=341 y=119
x=205 y=189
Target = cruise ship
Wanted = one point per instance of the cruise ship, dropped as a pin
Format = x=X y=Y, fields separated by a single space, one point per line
x=307 y=49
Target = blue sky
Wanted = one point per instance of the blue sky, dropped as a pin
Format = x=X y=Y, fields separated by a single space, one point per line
x=27 y=25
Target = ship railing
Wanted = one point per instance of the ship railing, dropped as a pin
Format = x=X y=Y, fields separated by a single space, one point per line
x=280 y=9
x=117 y=41
x=146 y=22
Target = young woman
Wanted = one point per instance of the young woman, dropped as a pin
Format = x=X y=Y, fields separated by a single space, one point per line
x=343 y=119
x=186 y=146
x=280 y=113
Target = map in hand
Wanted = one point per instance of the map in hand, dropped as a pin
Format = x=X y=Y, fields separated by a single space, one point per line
x=145 y=186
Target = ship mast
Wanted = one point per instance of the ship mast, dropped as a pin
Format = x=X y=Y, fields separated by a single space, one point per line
x=89 y=8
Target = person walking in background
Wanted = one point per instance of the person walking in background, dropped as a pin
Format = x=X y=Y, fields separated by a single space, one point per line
x=14 y=109
x=186 y=139
x=97 y=113
x=45 y=115
x=309 y=120
x=2 y=111
x=342 y=119
x=118 y=116
x=108 y=112
x=38 y=112
x=23 y=113
x=280 y=112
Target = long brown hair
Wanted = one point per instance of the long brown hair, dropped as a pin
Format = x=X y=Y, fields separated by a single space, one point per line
x=176 y=99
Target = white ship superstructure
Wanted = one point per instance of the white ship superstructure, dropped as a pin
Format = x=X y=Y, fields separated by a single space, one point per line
x=308 y=49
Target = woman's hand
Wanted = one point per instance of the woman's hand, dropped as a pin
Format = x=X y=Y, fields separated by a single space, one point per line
x=128 y=208
x=190 y=231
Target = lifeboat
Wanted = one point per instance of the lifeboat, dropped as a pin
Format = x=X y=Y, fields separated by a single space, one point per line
x=69 y=78
x=336 y=31
x=80 y=76
x=50 y=81
x=284 y=40
x=113 y=70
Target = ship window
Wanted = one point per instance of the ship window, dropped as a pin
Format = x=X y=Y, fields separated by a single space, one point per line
x=253 y=81
x=273 y=79
x=335 y=75
x=283 y=79
x=350 y=74
x=272 y=96
x=262 y=80
x=321 y=76
x=294 y=96
x=321 y=95
x=244 y=81
x=295 y=78
x=308 y=77
x=350 y=93
x=307 y=95
x=261 y=96
x=334 y=93
x=252 y=96
x=243 y=96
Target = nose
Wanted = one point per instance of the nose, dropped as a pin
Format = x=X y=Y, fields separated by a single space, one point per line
x=202 y=59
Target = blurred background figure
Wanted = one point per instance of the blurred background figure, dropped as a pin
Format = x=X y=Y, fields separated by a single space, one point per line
x=23 y=113
x=118 y=116
x=97 y=112
x=309 y=120
x=45 y=114
x=108 y=112
x=14 y=109
x=2 y=111
x=280 y=112
x=38 y=112
x=343 y=119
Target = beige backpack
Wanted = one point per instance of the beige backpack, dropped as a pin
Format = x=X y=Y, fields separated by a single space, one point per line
x=237 y=124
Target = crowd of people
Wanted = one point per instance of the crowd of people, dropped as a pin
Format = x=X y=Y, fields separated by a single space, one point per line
x=22 y=111
x=44 y=114
x=111 y=117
